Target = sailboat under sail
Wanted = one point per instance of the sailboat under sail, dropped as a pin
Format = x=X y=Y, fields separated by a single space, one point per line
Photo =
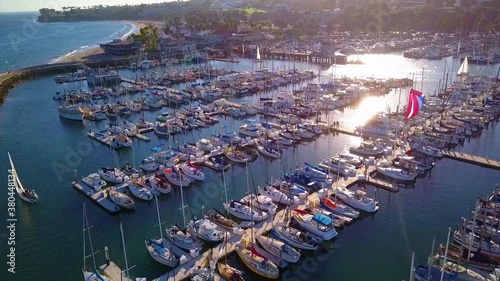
x=257 y=58
x=28 y=195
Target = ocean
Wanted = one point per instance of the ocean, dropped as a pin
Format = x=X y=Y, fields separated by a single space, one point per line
x=25 y=42
x=48 y=150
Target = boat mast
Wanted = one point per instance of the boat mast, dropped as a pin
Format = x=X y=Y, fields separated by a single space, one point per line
x=124 y=252
x=83 y=231
x=432 y=251
x=158 y=214
x=445 y=254
x=411 y=266
x=182 y=201
x=90 y=237
x=471 y=239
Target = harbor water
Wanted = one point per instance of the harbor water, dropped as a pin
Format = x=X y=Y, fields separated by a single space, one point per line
x=47 y=150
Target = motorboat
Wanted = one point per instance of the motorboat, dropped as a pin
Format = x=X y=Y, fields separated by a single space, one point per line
x=295 y=237
x=204 y=145
x=401 y=174
x=166 y=157
x=275 y=195
x=279 y=249
x=220 y=220
x=94 y=181
x=192 y=171
x=290 y=189
x=70 y=112
x=243 y=211
x=113 y=175
x=249 y=129
x=317 y=173
x=149 y=164
x=317 y=224
x=206 y=230
x=261 y=202
x=119 y=141
x=366 y=149
x=357 y=200
x=339 y=166
x=159 y=184
x=139 y=191
x=264 y=150
x=120 y=199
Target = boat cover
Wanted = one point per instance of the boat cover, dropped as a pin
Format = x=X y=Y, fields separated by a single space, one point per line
x=322 y=219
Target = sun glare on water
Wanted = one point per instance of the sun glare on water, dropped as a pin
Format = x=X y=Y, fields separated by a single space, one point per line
x=366 y=109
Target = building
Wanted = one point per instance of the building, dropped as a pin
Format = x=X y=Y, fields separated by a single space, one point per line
x=121 y=48
x=177 y=48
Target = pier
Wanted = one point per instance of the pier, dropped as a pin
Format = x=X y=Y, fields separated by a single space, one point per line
x=472 y=159
x=98 y=197
x=114 y=272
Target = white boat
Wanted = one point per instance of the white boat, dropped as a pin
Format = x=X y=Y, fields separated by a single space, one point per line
x=120 y=199
x=71 y=112
x=339 y=208
x=158 y=248
x=159 y=184
x=183 y=239
x=396 y=173
x=304 y=134
x=242 y=211
x=149 y=164
x=430 y=151
x=113 y=175
x=256 y=262
x=250 y=129
x=338 y=166
x=28 y=195
x=317 y=174
x=139 y=191
x=261 y=202
x=204 y=145
x=142 y=123
x=206 y=230
x=264 y=150
x=366 y=149
x=94 y=180
x=357 y=200
x=175 y=178
x=236 y=156
x=275 y=195
x=165 y=157
x=228 y=272
x=220 y=220
x=317 y=224
x=120 y=141
x=295 y=238
x=279 y=249
x=192 y=171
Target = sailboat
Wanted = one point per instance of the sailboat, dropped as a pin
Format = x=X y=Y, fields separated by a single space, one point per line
x=157 y=248
x=257 y=58
x=88 y=273
x=464 y=68
x=256 y=262
x=28 y=195
x=225 y=270
x=183 y=238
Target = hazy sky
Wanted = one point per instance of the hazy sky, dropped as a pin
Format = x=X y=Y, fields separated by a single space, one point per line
x=35 y=5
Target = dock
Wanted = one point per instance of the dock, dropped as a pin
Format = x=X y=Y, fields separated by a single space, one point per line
x=114 y=272
x=344 y=130
x=142 y=131
x=98 y=197
x=96 y=136
x=140 y=136
x=472 y=159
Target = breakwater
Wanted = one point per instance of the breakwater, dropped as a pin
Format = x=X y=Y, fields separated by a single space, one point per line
x=9 y=80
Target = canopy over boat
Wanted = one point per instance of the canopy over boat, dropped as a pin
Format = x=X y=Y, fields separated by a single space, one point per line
x=322 y=219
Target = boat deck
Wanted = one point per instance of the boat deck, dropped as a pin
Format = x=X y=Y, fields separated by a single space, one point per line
x=472 y=159
x=98 y=197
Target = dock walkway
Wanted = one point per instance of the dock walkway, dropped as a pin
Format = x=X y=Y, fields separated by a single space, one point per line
x=469 y=158
x=97 y=196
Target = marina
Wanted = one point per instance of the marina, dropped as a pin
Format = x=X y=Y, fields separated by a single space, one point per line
x=257 y=134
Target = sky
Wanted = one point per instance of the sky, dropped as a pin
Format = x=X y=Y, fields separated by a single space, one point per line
x=35 y=5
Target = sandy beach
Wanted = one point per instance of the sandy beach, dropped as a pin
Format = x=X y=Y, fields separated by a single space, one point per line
x=97 y=53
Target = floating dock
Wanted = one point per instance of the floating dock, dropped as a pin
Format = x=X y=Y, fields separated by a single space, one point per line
x=145 y=130
x=344 y=130
x=97 y=196
x=114 y=272
x=472 y=159
x=104 y=140
x=140 y=136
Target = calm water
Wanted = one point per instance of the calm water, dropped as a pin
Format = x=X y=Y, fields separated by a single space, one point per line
x=26 y=42
x=46 y=150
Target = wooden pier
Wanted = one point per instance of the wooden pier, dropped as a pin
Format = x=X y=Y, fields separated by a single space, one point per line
x=114 y=272
x=344 y=130
x=472 y=159
x=97 y=196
